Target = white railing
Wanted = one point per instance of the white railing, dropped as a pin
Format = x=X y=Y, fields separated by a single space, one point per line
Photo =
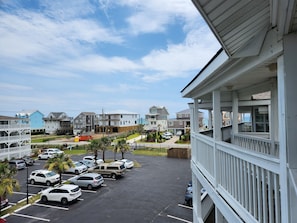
x=247 y=181
x=16 y=152
x=257 y=144
x=14 y=126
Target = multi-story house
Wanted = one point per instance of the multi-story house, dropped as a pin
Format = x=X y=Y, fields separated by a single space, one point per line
x=36 y=120
x=182 y=122
x=252 y=177
x=58 y=123
x=85 y=123
x=15 y=137
x=157 y=119
x=117 y=122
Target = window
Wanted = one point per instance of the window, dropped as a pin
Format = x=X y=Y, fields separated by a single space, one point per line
x=261 y=119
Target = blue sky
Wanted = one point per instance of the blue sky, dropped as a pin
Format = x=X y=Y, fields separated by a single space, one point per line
x=87 y=55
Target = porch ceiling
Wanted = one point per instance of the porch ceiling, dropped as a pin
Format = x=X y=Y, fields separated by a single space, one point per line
x=248 y=32
x=238 y=23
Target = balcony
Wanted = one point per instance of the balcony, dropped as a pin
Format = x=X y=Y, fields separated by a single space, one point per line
x=245 y=174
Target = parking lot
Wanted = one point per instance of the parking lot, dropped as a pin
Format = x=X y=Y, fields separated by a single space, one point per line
x=153 y=192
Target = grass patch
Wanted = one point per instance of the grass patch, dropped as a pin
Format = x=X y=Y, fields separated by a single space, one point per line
x=45 y=138
x=151 y=152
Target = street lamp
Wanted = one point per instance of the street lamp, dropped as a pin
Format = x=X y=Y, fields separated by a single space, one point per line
x=27 y=186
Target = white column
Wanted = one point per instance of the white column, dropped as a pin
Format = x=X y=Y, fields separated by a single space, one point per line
x=273 y=114
x=196 y=115
x=282 y=140
x=219 y=218
x=197 y=205
x=209 y=119
x=217 y=115
x=191 y=106
x=217 y=124
x=234 y=114
x=288 y=155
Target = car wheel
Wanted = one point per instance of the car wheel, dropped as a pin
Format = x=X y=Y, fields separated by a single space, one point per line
x=113 y=176
x=64 y=201
x=90 y=187
x=44 y=199
x=76 y=172
x=48 y=183
x=32 y=181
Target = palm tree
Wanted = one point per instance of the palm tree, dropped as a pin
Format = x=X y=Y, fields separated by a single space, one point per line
x=103 y=143
x=59 y=163
x=123 y=147
x=94 y=147
x=7 y=180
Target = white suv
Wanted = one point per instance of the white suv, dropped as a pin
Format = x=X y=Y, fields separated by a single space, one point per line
x=43 y=176
x=63 y=193
x=54 y=150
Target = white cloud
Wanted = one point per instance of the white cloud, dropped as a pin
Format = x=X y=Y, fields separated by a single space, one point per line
x=15 y=87
x=180 y=59
x=117 y=88
x=100 y=64
x=30 y=34
x=155 y=15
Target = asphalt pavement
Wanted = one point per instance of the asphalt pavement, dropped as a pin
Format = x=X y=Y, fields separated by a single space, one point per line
x=153 y=192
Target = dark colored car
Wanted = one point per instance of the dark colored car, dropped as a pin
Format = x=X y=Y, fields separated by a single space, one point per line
x=189 y=196
x=28 y=160
x=4 y=202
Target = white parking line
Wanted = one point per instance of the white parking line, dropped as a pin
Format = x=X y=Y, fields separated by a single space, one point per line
x=89 y=191
x=36 y=185
x=9 y=206
x=51 y=206
x=80 y=199
x=32 y=217
x=185 y=206
x=24 y=199
x=179 y=219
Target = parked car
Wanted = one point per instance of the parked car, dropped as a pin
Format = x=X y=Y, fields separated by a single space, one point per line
x=88 y=180
x=4 y=202
x=78 y=168
x=189 y=196
x=43 y=176
x=3 y=220
x=53 y=150
x=18 y=164
x=92 y=158
x=46 y=155
x=63 y=193
x=127 y=163
x=167 y=135
x=28 y=160
x=113 y=170
x=90 y=164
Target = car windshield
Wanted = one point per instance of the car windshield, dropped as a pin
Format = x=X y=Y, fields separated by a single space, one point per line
x=78 y=164
x=75 y=189
x=98 y=177
x=50 y=174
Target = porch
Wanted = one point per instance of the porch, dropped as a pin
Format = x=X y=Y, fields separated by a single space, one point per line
x=240 y=175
